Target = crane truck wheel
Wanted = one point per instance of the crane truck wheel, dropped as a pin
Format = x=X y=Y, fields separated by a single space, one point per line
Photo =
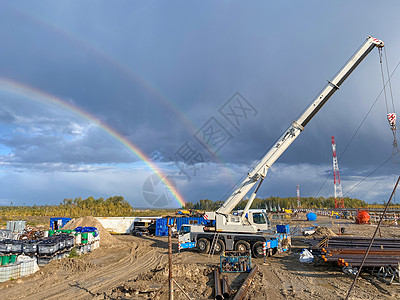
x=258 y=249
x=242 y=246
x=203 y=245
x=219 y=247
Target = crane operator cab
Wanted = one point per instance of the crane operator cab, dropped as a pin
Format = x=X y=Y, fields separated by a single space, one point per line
x=259 y=219
x=184 y=234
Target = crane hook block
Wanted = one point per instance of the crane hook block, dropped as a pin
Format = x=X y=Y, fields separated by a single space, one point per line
x=392 y=119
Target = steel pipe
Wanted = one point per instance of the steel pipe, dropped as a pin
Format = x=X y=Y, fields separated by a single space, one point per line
x=246 y=284
x=217 y=281
x=225 y=287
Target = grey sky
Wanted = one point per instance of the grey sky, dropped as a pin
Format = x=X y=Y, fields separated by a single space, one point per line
x=157 y=71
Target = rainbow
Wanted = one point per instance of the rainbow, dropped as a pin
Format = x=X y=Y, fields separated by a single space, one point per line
x=20 y=89
x=112 y=62
x=119 y=67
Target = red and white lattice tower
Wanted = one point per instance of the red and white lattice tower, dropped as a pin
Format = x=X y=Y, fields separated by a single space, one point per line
x=298 y=196
x=336 y=178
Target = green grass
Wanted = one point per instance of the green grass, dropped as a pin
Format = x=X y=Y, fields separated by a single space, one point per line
x=73 y=253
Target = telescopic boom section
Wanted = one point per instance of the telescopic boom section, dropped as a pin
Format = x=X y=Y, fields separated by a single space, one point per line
x=260 y=170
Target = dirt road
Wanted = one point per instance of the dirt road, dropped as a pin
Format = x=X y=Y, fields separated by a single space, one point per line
x=87 y=277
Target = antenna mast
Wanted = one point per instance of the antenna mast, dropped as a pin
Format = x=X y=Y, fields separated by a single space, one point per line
x=298 y=196
x=336 y=178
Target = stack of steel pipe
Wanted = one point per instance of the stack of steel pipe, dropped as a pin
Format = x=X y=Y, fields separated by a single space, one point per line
x=357 y=242
x=350 y=251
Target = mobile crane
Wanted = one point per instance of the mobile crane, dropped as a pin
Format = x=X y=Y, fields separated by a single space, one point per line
x=250 y=229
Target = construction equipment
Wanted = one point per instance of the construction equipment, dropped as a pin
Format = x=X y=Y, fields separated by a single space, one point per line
x=362 y=217
x=335 y=214
x=250 y=229
x=227 y=222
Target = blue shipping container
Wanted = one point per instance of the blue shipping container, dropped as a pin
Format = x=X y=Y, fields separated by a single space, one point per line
x=58 y=223
x=189 y=220
x=162 y=228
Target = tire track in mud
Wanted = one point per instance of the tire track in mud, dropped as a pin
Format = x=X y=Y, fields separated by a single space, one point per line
x=97 y=281
x=101 y=280
x=82 y=288
x=95 y=273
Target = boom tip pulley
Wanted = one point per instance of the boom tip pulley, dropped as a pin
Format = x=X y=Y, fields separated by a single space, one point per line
x=379 y=43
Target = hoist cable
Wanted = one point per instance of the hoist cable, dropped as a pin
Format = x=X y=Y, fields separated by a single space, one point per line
x=391 y=116
x=393 y=125
x=383 y=79
x=372 y=240
x=362 y=180
x=390 y=84
x=376 y=183
x=355 y=133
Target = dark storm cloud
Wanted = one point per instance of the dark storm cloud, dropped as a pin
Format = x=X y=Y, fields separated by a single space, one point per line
x=92 y=147
x=156 y=73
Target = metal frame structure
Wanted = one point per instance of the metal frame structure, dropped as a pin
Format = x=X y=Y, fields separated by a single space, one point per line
x=336 y=178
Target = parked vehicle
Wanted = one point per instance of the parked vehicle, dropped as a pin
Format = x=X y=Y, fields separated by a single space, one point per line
x=140 y=231
x=152 y=229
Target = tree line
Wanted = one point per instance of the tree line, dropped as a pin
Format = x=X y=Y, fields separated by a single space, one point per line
x=115 y=206
x=288 y=203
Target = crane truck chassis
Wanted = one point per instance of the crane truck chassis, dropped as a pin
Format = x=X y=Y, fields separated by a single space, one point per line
x=250 y=230
x=260 y=245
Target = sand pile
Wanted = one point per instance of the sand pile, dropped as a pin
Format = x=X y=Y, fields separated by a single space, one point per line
x=324 y=231
x=105 y=237
x=71 y=265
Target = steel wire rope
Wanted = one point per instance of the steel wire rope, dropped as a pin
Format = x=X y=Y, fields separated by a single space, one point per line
x=393 y=127
x=356 y=132
x=258 y=161
x=389 y=115
x=362 y=180
x=236 y=184
x=383 y=78
x=372 y=240
x=390 y=84
x=344 y=151
x=383 y=177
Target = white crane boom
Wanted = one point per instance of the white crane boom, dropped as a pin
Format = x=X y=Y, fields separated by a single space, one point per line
x=260 y=170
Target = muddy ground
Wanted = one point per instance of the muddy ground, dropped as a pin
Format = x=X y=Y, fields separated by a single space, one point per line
x=136 y=268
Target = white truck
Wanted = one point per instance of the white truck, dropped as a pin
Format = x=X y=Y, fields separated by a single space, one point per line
x=250 y=230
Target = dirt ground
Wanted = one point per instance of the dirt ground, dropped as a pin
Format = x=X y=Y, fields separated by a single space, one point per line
x=136 y=268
